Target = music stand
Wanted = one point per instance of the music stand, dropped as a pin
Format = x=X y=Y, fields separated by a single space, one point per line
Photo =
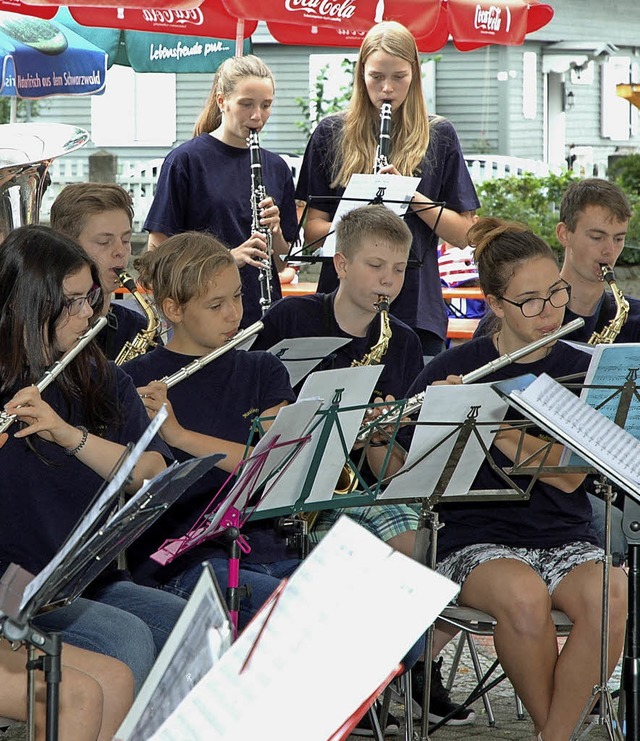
x=613 y=452
x=300 y=355
x=90 y=547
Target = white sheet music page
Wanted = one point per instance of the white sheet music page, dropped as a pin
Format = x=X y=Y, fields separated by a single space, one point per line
x=445 y=407
x=396 y=192
x=300 y=355
x=291 y=423
x=345 y=387
x=614 y=447
x=609 y=367
x=315 y=650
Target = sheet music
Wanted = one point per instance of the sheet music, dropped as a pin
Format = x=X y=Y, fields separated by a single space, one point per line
x=610 y=448
x=300 y=355
x=353 y=387
x=291 y=423
x=395 y=190
x=446 y=406
x=105 y=500
x=311 y=654
x=201 y=636
x=610 y=365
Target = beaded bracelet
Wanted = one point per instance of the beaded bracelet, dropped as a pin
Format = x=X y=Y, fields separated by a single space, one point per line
x=378 y=443
x=81 y=444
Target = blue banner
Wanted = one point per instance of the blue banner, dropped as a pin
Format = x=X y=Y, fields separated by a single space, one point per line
x=39 y=58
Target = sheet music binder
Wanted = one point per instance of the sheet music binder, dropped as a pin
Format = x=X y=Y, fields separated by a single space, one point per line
x=608 y=448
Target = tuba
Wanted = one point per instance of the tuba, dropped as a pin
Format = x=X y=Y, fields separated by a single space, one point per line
x=611 y=330
x=146 y=337
x=26 y=153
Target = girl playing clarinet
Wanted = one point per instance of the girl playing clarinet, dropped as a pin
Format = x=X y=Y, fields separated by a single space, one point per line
x=518 y=560
x=388 y=70
x=196 y=285
x=205 y=184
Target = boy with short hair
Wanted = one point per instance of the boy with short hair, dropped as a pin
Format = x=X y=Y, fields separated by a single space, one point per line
x=99 y=216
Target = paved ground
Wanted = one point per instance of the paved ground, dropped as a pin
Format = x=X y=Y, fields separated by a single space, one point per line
x=502 y=700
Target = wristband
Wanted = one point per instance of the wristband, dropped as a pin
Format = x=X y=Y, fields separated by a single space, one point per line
x=378 y=444
x=81 y=444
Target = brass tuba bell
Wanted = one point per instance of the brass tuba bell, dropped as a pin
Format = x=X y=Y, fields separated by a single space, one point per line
x=26 y=153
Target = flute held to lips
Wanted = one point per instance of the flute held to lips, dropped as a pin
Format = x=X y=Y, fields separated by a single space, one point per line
x=511 y=357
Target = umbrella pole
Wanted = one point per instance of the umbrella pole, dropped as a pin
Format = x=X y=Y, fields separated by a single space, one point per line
x=239 y=37
x=13 y=109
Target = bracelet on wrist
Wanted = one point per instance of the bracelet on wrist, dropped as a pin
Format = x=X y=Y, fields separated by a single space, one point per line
x=378 y=443
x=81 y=444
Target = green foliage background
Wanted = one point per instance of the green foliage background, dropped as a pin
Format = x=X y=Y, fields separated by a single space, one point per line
x=535 y=201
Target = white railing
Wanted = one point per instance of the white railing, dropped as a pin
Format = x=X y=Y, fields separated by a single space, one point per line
x=140 y=177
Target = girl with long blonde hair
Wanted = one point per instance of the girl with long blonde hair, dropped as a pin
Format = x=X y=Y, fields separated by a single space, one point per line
x=388 y=70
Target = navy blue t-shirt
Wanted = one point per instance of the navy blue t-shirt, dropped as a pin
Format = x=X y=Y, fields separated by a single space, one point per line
x=205 y=186
x=312 y=316
x=550 y=518
x=222 y=399
x=444 y=177
x=43 y=496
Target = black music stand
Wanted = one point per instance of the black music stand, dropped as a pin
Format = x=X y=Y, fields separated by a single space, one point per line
x=79 y=562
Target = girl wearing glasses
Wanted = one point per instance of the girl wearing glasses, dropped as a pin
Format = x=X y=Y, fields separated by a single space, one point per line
x=517 y=560
x=67 y=440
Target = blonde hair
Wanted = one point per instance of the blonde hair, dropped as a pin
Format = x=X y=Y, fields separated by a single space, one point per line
x=410 y=122
x=228 y=75
x=375 y=222
x=182 y=267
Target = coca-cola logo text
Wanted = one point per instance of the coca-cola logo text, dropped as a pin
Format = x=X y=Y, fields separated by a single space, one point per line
x=488 y=18
x=173 y=17
x=336 y=9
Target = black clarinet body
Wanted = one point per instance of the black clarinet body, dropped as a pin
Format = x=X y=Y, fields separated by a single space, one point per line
x=258 y=194
x=384 y=139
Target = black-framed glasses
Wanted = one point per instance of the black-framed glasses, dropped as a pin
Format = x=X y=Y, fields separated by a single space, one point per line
x=75 y=305
x=558 y=298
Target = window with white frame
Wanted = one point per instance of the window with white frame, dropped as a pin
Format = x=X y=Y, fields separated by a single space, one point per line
x=619 y=119
x=137 y=109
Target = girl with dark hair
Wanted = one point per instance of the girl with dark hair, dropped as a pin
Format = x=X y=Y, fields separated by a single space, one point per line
x=205 y=183
x=518 y=560
x=388 y=70
x=67 y=440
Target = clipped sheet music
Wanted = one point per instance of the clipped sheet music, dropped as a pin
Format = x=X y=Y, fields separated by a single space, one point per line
x=610 y=365
x=201 y=636
x=444 y=408
x=300 y=653
x=300 y=355
x=346 y=387
x=607 y=447
x=395 y=190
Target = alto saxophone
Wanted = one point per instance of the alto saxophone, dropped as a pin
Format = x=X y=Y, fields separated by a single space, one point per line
x=146 y=337
x=258 y=194
x=611 y=330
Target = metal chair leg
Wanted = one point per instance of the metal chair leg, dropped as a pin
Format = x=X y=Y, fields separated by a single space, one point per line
x=478 y=669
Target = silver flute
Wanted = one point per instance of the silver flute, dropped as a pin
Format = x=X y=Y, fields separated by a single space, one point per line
x=6 y=420
x=414 y=403
x=195 y=365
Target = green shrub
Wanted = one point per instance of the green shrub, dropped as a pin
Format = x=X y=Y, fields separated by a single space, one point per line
x=535 y=201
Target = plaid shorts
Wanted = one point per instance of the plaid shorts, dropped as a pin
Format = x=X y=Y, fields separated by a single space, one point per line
x=551 y=564
x=383 y=520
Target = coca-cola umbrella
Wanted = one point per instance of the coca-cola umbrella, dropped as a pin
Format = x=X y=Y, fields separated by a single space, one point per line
x=470 y=23
x=158 y=41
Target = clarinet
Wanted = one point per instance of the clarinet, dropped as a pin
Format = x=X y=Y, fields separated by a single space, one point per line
x=259 y=193
x=384 y=139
